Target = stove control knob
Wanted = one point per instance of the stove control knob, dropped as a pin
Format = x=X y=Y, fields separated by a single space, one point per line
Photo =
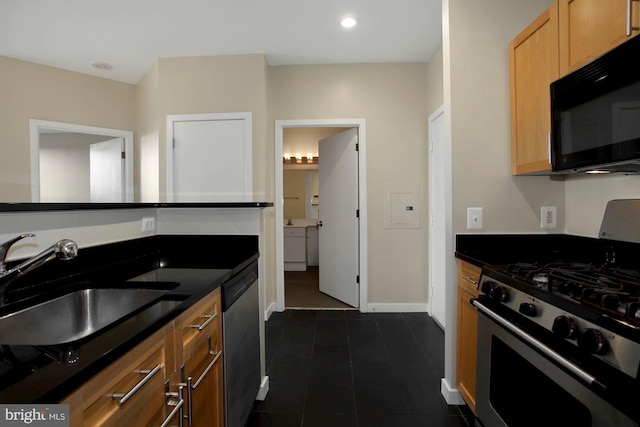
x=487 y=287
x=500 y=294
x=593 y=341
x=564 y=326
x=528 y=309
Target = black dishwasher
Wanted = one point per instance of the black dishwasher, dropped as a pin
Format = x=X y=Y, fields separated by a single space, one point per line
x=241 y=337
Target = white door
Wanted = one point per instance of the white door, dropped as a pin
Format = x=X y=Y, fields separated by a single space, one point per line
x=437 y=229
x=210 y=158
x=106 y=171
x=338 y=235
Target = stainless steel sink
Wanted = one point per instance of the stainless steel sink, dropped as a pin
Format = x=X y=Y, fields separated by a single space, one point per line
x=73 y=316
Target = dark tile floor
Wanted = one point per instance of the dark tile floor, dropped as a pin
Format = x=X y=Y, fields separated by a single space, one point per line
x=346 y=368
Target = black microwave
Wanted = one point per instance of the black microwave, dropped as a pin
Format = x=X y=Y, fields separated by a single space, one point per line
x=595 y=114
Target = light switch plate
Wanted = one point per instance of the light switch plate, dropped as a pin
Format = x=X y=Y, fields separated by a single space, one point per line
x=474 y=218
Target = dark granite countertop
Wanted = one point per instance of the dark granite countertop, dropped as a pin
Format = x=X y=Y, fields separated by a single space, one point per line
x=37 y=207
x=497 y=249
x=189 y=267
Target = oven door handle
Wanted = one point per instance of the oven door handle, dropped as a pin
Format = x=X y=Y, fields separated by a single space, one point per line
x=584 y=376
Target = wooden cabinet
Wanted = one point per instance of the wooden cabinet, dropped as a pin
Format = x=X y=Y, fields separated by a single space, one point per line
x=467 y=332
x=563 y=38
x=176 y=372
x=589 y=28
x=130 y=391
x=533 y=65
x=202 y=356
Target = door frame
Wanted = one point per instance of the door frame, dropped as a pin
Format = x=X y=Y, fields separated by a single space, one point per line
x=36 y=126
x=360 y=124
x=444 y=212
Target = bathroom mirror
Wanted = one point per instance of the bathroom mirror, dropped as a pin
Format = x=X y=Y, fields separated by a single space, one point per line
x=73 y=163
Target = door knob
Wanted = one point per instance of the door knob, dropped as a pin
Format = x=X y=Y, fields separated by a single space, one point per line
x=319 y=223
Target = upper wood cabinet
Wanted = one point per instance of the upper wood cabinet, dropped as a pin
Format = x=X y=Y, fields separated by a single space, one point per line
x=533 y=65
x=589 y=28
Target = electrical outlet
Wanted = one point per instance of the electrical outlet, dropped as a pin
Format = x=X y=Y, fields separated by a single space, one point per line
x=548 y=217
x=474 y=218
x=148 y=224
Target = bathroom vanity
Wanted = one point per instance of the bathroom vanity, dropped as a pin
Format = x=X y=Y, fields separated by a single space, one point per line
x=300 y=244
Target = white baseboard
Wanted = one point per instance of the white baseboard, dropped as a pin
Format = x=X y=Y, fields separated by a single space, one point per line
x=397 y=308
x=264 y=388
x=269 y=311
x=451 y=395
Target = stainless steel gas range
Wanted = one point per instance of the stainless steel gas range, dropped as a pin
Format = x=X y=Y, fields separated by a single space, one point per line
x=559 y=344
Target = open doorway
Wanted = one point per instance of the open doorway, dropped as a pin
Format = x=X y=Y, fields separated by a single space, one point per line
x=303 y=209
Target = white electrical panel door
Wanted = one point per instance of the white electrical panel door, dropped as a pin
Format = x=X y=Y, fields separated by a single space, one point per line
x=210 y=160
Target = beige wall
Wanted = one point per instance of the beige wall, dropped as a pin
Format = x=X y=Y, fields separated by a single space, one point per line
x=435 y=89
x=392 y=98
x=32 y=91
x=147 y=137
x=587 y=197
x=217 y=84
x=293 y=190
x=477 y=55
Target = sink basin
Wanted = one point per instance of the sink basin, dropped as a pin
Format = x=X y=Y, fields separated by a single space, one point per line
x=73 y=316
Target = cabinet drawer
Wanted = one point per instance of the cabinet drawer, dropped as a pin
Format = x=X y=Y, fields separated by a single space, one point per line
x=129 y=391
x=203 y=355
x=468 y=277
x=295 y=232
x=200 y=322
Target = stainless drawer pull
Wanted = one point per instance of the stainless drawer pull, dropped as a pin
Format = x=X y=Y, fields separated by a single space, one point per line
x=192 y=386
x=206 y=371
x=178 y=407
x=209 y=317
x=630 y=26
x=124 y=397
x=470 y=280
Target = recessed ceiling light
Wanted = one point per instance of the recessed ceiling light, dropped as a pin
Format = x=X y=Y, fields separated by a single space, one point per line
x=348 y=22
x=103 y=66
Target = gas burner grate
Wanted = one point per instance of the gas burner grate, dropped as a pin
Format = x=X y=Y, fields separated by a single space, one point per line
x=606 y=289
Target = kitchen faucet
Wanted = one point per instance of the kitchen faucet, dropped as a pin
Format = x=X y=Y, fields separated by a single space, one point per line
x=64 y=249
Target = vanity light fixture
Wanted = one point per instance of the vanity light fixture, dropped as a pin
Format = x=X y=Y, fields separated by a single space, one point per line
x=348 y=22
x=297 y=158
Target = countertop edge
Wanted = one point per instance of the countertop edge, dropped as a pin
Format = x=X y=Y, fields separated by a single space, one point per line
x=43 y=207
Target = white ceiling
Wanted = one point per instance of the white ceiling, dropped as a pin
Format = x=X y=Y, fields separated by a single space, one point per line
x=132 y=34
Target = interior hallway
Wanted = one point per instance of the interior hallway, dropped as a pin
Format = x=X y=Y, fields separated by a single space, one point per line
x=301 y=291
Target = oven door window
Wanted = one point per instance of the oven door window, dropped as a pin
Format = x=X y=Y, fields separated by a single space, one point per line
x=523 y=396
